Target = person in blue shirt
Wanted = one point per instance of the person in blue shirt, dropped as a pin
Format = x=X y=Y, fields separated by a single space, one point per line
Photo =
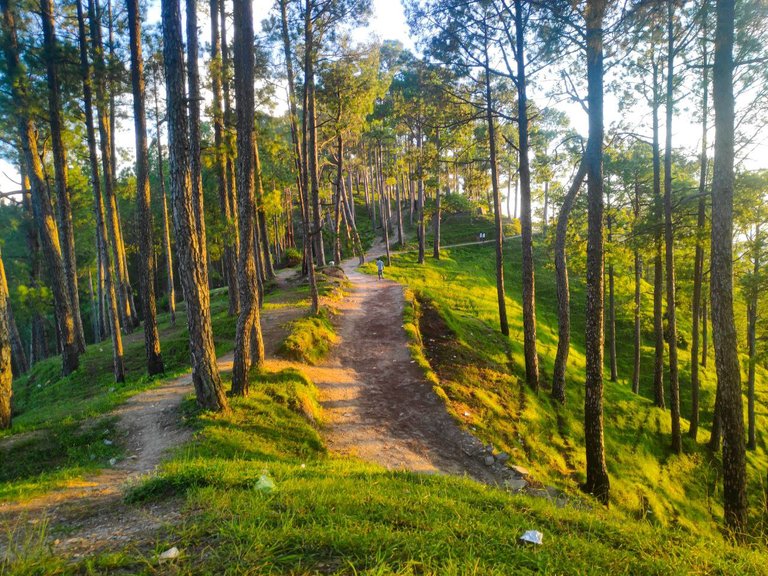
x=380 y=268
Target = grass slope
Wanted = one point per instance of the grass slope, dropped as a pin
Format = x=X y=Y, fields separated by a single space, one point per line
x=455 y=317
x=264 y=497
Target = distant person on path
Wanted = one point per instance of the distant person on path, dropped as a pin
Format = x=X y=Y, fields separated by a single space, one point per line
x=380 y=268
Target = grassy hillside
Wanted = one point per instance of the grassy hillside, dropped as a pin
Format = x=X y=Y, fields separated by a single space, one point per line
x=479 y=372
x=262 y=496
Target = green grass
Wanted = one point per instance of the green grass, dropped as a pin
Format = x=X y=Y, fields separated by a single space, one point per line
x=310 y=338
x=62 y=442
x=479 y=373
x=332 y=516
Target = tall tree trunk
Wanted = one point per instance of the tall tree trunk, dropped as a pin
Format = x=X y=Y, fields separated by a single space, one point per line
x=266 y=253
x=721 y=277
x=638 y=294
x=704 y=330
x=41 y=202
x=144 y=210
x=170 y=286
x=499 y=240
x=421 y=231
x=109 y=290
x=611 y=305
x=66 y=232
x=658 y=279
x=6 y=372
x=438 y=214
x=529 y=284
x=297 y=146
x=698 y=266
x=310 y=139
x=669 y=241
x=115 y=237
x=563 y=292
x=18 y=356
x=752 y=317
x=191 y=252
x=220 y=159
x=597 y=475
x=399 y=192
x=194 y=99
x=248 y=324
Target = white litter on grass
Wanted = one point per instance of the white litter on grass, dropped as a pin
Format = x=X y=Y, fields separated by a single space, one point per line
x=170 y=554
x=532 y=537
x=265 y=484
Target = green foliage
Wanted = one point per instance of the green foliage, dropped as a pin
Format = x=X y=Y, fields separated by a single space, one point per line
x=292 y=257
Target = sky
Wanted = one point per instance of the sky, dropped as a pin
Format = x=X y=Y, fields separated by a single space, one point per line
x=388 y=22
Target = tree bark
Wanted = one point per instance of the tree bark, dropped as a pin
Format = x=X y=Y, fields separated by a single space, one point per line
x=421 y=230
x=638 y=294
x=563 y=292
x=529 y=284
x=115 y=237
x=191 y=252
x=597 y=475
x=170 y=286
x=220 y=159
x=109 y=290
x=698 y=266
x=499 y=240
x=658 y=279
x=298 y=146
x=41 y=202
x=18 y=356
x=669 y=241
x=144 y=210
x=752 y=317
x=721 y=276
x=6 y=372
x=66 y=232
x=611 y=307
x=248 y=324
x=266 y=252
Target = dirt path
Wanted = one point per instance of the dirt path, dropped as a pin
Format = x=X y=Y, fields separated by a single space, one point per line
x=376 y=401
x=90 y=514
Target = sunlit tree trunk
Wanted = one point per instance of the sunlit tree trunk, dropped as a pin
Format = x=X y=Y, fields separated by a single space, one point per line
x=109 y=290
x=529 y=284
x=66 y=232
x=6 y=372
x=191 y=252
x=721 y=277
x=597 y=474
x=41 y=201
x=658 y=277
x=563 y=291
x=248 y=324
x=144 y=210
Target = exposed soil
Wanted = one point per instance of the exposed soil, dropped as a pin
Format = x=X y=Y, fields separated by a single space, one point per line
x=377 y=403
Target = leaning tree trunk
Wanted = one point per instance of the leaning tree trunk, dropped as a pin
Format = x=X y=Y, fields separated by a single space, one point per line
x=41 y=201
x=66 y=232
x=6 y=373
x=721 y=277
x=669 y=241
x=529 y=285
x=248 y=324
x=108 y=272
x=144 y=210
x=191 y=252
x=597 y=475
x=563 y=292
